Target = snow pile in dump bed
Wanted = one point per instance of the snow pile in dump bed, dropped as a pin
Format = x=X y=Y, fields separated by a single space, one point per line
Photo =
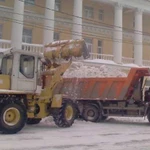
x=80 y=70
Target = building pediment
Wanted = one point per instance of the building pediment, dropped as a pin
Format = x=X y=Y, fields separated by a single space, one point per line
x=144 y=5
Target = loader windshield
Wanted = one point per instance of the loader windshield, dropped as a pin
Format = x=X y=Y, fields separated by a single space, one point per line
x=6 y=67
x=1 y=57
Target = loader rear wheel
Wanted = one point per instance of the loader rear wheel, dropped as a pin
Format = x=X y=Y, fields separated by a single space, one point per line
x=65 y=115
x=31 y=121
x=12 y=118
x=90 y=113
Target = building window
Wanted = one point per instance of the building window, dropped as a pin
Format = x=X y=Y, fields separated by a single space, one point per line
x=27 y=36
x=57 y=5
x=56 y=36
x=99 y=47
x=29 y=2
x=101 y=15
x=89 y=44
x=1 y=32
x=88 y=12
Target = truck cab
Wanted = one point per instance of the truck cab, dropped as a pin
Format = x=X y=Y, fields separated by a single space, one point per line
x=145 y=86
x=20 y=71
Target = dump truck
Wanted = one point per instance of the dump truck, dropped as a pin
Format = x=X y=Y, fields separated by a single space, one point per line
x=24 y=98
x=98 y=98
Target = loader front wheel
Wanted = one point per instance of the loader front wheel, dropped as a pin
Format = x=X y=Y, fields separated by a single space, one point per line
x=12 y=118
x=31 y=121
x=65 y=115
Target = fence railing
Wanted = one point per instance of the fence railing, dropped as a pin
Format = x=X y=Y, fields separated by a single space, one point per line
x=5 y=43
x=127 y=60
x=39 y=48
x=25 y=46
x=101 y=56
x=146 y=63
x=32 y=47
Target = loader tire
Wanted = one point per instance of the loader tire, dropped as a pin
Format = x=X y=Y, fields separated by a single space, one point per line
x=65 y=115
x=31 y=121
x=12 y=118
x=91 y=113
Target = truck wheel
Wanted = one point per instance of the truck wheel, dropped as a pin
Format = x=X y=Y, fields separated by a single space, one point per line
x=90 y=113
x=104 y=118
x=66 y=114
x=31 y=121
x=12 y=118
x=148 y=116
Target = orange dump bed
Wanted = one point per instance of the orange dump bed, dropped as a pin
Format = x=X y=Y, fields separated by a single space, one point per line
x=116 y=88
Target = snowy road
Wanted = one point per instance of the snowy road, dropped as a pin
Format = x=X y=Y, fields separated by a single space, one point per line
x=114 y=134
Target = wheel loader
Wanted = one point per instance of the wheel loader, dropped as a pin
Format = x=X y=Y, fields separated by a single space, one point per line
x=24 y=95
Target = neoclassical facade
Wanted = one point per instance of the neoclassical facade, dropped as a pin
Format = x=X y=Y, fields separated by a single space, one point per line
x=118 y=29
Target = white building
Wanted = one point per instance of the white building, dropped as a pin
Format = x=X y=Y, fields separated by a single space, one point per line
x=116 y=30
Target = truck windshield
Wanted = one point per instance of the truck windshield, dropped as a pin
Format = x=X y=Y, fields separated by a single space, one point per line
x=6 y=67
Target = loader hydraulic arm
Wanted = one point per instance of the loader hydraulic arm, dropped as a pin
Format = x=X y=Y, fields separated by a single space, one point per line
x=54 y=55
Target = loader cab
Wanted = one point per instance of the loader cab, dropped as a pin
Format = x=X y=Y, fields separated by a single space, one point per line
x=22 y=69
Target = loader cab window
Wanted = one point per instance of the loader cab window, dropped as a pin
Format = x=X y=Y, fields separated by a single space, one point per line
x=6 y=67
x=1 y=58
x=27 y=66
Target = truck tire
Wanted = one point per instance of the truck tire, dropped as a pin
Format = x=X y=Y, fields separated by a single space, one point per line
x=12 y=118
x=148 y=116
x=91 y=113
x=104 y=118
x=65 y=115
x=31 y=121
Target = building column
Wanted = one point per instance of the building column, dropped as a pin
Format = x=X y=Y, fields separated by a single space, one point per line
x=117 y=37
x=49 y=22
x=77 y=19
x=138 y=38
x=17 y=24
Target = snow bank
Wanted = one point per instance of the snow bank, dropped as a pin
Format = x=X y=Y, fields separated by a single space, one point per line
x=80 y=70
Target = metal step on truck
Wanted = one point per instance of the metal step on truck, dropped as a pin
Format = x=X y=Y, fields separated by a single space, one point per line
x=98 y=98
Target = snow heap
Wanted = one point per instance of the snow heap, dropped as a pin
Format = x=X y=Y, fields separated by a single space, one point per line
x=80 y=70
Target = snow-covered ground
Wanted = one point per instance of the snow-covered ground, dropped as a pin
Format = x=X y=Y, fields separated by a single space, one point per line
x=113 y=134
